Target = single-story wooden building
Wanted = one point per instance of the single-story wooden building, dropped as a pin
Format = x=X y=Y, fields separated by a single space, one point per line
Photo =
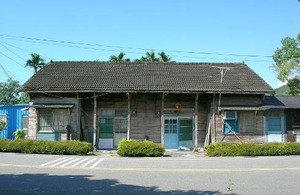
x=179 y=105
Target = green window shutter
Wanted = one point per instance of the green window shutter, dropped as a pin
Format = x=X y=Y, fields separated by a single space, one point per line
x=106 y=128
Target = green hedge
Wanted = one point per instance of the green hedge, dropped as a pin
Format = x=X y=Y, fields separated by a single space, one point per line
x=137 y=148
x=253 y=149
x=45 y=146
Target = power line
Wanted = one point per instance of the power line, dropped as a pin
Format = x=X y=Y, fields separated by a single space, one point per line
x=12 y=52
x=5 y=72
x=89 y=48
x=72 y=46
x=134 y=48
x=14 y=61
x=25 y=50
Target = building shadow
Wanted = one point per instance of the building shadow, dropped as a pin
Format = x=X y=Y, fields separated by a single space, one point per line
x=76 y=184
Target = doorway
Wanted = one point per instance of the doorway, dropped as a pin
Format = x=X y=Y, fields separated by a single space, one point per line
x=178 y=133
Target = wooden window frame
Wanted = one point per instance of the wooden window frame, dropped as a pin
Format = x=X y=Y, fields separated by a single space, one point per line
x=53 y=123
x=25 y=116
x=3 y=116
x=236 y=131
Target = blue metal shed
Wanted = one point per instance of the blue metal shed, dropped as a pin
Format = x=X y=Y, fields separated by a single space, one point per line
x=15 y=116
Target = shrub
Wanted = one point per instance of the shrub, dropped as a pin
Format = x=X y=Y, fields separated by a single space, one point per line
x=45 y=146
x=137 y=148
x=2 y=125
x=19 y=134
x=253 y=149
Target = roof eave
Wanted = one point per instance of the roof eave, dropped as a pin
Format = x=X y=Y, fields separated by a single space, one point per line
x=153 y=91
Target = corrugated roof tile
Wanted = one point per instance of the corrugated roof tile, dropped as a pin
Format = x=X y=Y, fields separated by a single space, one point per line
x=132 y=76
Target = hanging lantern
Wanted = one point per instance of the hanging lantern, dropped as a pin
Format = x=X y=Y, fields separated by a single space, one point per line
x=178 y=105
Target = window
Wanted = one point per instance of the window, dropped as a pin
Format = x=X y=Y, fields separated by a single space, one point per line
x=53 y=119
x=25 y=122
x=3 y=120
x=230 y=115
x=107 y=113
x=171 y=126
x=3 y=117
x=120 y=126
x=274 y=124
x=239 y=122
x=230 y=122
x=185 y=129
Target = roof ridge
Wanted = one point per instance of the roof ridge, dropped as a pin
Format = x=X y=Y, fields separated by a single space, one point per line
x=148 y=62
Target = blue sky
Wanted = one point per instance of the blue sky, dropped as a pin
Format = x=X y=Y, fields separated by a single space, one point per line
x=218 y=27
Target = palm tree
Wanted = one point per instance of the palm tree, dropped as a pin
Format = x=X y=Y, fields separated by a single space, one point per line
x=150 y=57
x=119 y=58
x=164 y=57
x=36 y=62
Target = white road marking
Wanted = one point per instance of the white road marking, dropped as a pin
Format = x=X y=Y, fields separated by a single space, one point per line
x=99 y=161
x=61 y=162
x=76 y=159
x=88 y=162
x=53 y=161
x=79 y=162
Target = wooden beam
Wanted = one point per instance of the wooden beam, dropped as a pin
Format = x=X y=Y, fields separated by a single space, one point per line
x=95 y=124
x=162 y=119
x=214 y=129
x=128 y=115
x=78 y=115
x=196 y=122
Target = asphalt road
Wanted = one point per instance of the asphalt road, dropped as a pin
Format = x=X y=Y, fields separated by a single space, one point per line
x=54 y=174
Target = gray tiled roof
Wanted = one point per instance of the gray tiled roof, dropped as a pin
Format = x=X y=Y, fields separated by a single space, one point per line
x=147 y=77
x=287 y=102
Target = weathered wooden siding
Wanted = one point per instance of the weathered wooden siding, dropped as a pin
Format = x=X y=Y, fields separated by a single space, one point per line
x=250 y=123
x=203 y=111
x=249 y=130
x=147 y=122
x=47 y=99
x=240 y=100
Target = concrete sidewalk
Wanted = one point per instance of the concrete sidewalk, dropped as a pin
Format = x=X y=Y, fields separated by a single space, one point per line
x=168 y=153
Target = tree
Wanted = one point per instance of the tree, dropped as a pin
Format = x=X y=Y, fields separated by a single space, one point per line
x=164 y=57
x=150 y=57
x=36 y=62
x=294 y=85
x=287 y=63
x=119 y=58
x=10 y=94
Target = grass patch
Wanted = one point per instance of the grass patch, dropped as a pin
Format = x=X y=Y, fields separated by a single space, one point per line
x=71 y=147
x=135 y=148
x=253 y=149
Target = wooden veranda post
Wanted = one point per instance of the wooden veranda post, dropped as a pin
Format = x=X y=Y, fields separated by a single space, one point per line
x=196 y=122
x=95 y=124
x=128 y=115
x=162 y=119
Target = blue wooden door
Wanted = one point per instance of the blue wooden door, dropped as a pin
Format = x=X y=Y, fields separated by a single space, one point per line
x=274 y=129
x=171 y=133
